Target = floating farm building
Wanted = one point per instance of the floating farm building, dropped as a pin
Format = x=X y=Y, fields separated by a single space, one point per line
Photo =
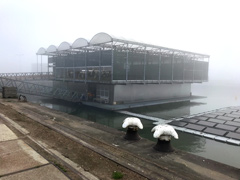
x=114 y=70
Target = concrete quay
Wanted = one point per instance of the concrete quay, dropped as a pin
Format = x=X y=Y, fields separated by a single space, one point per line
x=19 y=161
x=91 y=150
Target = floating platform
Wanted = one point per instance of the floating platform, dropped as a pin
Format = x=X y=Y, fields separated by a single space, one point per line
x=221 y=125
x=140 y=104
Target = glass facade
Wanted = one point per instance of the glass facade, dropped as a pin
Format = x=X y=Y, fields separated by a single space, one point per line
x=107 y=59
x=91 y=66
x=130 y=66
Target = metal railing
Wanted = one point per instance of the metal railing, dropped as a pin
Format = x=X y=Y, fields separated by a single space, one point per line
x=40 y=90
x=28 y=75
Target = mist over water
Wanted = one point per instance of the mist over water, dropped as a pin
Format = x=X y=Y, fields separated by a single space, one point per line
x=218 y=95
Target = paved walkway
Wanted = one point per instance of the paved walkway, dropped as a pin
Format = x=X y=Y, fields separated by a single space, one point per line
x=222 y=124
x=20 y=161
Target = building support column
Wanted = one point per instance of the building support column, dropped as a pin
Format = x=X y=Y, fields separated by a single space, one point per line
x=112 y=62
x=159 y=67
x=193 y=68
x=86 y=51
x=41 y=64
x=127 y=67
x=100 y=65
x=172 y=65
x=184 y=59
x=74 y=68
x=48 y=67
x=37 y=63
x=144 y=66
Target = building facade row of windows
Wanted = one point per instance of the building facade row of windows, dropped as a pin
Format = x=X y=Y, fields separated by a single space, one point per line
x=98 y=66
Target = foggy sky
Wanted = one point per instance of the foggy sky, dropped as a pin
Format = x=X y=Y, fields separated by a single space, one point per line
x=209 y=27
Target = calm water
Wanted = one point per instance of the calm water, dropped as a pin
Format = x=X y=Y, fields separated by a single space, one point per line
x=217 y=97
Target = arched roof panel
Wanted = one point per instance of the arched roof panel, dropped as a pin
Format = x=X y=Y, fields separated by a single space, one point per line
x=41 y=51
x=64 y=46
x=101 y=38
x=52 y=49
x=80 y=42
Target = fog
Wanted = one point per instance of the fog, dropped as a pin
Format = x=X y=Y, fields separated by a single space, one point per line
x=209 y=27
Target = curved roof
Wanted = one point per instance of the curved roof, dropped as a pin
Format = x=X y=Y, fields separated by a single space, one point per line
x=106 y=40
x=80 y=42
x=51 y=49
x=101 y=38
x=41 y=51
x=64 y=46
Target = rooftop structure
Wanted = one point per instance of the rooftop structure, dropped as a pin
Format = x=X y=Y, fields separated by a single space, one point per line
x=107 y=66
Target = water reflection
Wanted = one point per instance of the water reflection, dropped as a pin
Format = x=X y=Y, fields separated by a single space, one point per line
x=190 y=143
x=167 y=111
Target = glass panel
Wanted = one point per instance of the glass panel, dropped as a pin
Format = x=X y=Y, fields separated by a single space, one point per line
x=166 y=68
x=178 y=68
x=198 y=70
x=59 y=73
x=188 y=75
x=93 y=74
x=79 y=59
x=119 y=65
x=69 y=73
x=205 y=71
x=80 y=73
x=136 y=66
x=152 y=67
x=93 y=58
x=106 y=73
x=189 y=63
x=106 y=58
x=69 y=61
x=60 y=61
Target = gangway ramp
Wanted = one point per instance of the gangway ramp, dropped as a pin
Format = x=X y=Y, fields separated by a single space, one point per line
x=26 y=76
x=25 y=87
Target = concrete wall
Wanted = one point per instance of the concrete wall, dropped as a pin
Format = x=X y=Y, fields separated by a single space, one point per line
x=147 y=92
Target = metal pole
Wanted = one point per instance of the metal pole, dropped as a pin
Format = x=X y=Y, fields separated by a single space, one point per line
x=48 y=66
x=74 y=68
x=208 y=68
x=112 y=62
x=144 y=66
x=86 y=51
x=41 y=64
x=159 y=67
x=172 y=65
x=127 y=67
x=100 y=65
x=184 y=59
x=193 y=68
x=202 y=67
x=37 y=63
